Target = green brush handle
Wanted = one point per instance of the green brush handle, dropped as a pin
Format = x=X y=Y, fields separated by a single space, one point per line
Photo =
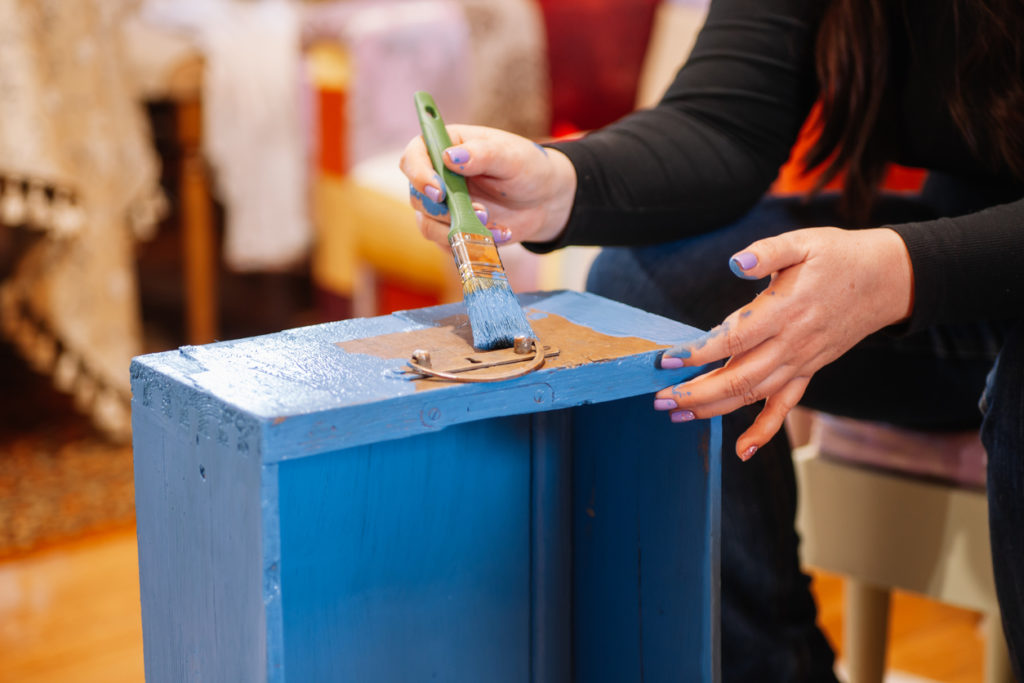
x=457 y=197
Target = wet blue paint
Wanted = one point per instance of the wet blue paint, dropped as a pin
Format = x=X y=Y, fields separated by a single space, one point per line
x=429 y=205
x=383 y=567
x=303 y=375
x=495 y=317
x=746 y=314
x=541 y=148
x=332 y=517
x=625 y=510
x=743 y=262
x=681 y=352
x=738 y=271
x=677 y=391
x=714 y=332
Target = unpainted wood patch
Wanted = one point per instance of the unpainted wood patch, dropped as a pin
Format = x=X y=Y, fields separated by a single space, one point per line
x=452 y=338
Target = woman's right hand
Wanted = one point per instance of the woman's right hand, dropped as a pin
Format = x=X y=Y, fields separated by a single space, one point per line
x=524 y=191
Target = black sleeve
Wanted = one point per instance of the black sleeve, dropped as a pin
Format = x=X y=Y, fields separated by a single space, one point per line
x=711 y=148
x=967 y=268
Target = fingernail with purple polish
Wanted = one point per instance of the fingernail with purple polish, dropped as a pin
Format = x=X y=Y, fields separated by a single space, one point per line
x=439 y=182
x=742 y=262
x=457 y=155
x=434 y=193
x=482 y=215
x=671 y=363
x=501 y=235
x=682 y=416
x=665 y=404
x=748 y=454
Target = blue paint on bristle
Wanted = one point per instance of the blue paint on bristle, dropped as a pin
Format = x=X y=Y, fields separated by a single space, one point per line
x=495 y=316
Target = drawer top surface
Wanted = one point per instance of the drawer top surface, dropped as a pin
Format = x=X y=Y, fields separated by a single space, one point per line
x=346 y=376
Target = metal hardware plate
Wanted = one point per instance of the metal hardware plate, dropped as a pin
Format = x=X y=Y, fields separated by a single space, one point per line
x=468 y=367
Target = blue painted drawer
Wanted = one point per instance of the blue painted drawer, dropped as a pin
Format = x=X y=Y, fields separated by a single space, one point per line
x=307 y=514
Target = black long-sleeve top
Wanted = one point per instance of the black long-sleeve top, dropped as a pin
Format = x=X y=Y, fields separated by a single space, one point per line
x=712 y=147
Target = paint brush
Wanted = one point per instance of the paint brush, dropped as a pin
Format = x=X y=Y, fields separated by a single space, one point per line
x=494 y=312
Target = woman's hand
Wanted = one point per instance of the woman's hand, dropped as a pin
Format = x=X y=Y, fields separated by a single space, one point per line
x=830 y=288
x=521 y=191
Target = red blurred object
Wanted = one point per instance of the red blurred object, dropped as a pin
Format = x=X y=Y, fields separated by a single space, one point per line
x=903 y=178
x=596 y=49
x=393 y=297
x=333 y=127
x=792 y=180
x=565 y=131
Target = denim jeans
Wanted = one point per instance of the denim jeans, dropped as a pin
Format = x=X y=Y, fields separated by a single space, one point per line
x=769 y=630
x=1002 y=432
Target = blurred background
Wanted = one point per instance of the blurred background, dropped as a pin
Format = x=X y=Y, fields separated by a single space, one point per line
x=180 y=171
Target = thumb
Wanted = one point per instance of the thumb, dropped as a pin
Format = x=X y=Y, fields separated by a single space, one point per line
x=767 y=256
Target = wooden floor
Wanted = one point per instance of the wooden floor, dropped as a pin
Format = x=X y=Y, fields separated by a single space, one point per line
x=71 y=613
x=926 y=638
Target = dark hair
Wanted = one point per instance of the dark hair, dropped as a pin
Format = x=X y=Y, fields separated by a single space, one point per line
x=981 y=72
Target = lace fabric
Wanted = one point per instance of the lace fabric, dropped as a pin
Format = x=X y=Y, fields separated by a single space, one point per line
x=77 y=167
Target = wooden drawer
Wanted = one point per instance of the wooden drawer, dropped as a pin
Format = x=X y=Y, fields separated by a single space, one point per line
x=306 y=514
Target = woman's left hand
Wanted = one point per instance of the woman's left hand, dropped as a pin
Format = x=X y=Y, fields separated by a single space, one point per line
x=830 y=288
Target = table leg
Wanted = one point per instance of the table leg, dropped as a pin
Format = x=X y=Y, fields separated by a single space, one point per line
x=199 y=252
x=867 y=627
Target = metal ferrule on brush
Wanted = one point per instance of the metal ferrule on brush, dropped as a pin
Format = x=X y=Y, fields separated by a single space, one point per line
x=476 y=256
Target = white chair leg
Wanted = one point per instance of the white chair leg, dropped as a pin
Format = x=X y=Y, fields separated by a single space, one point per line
x=867 y=627
x=997 y=657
